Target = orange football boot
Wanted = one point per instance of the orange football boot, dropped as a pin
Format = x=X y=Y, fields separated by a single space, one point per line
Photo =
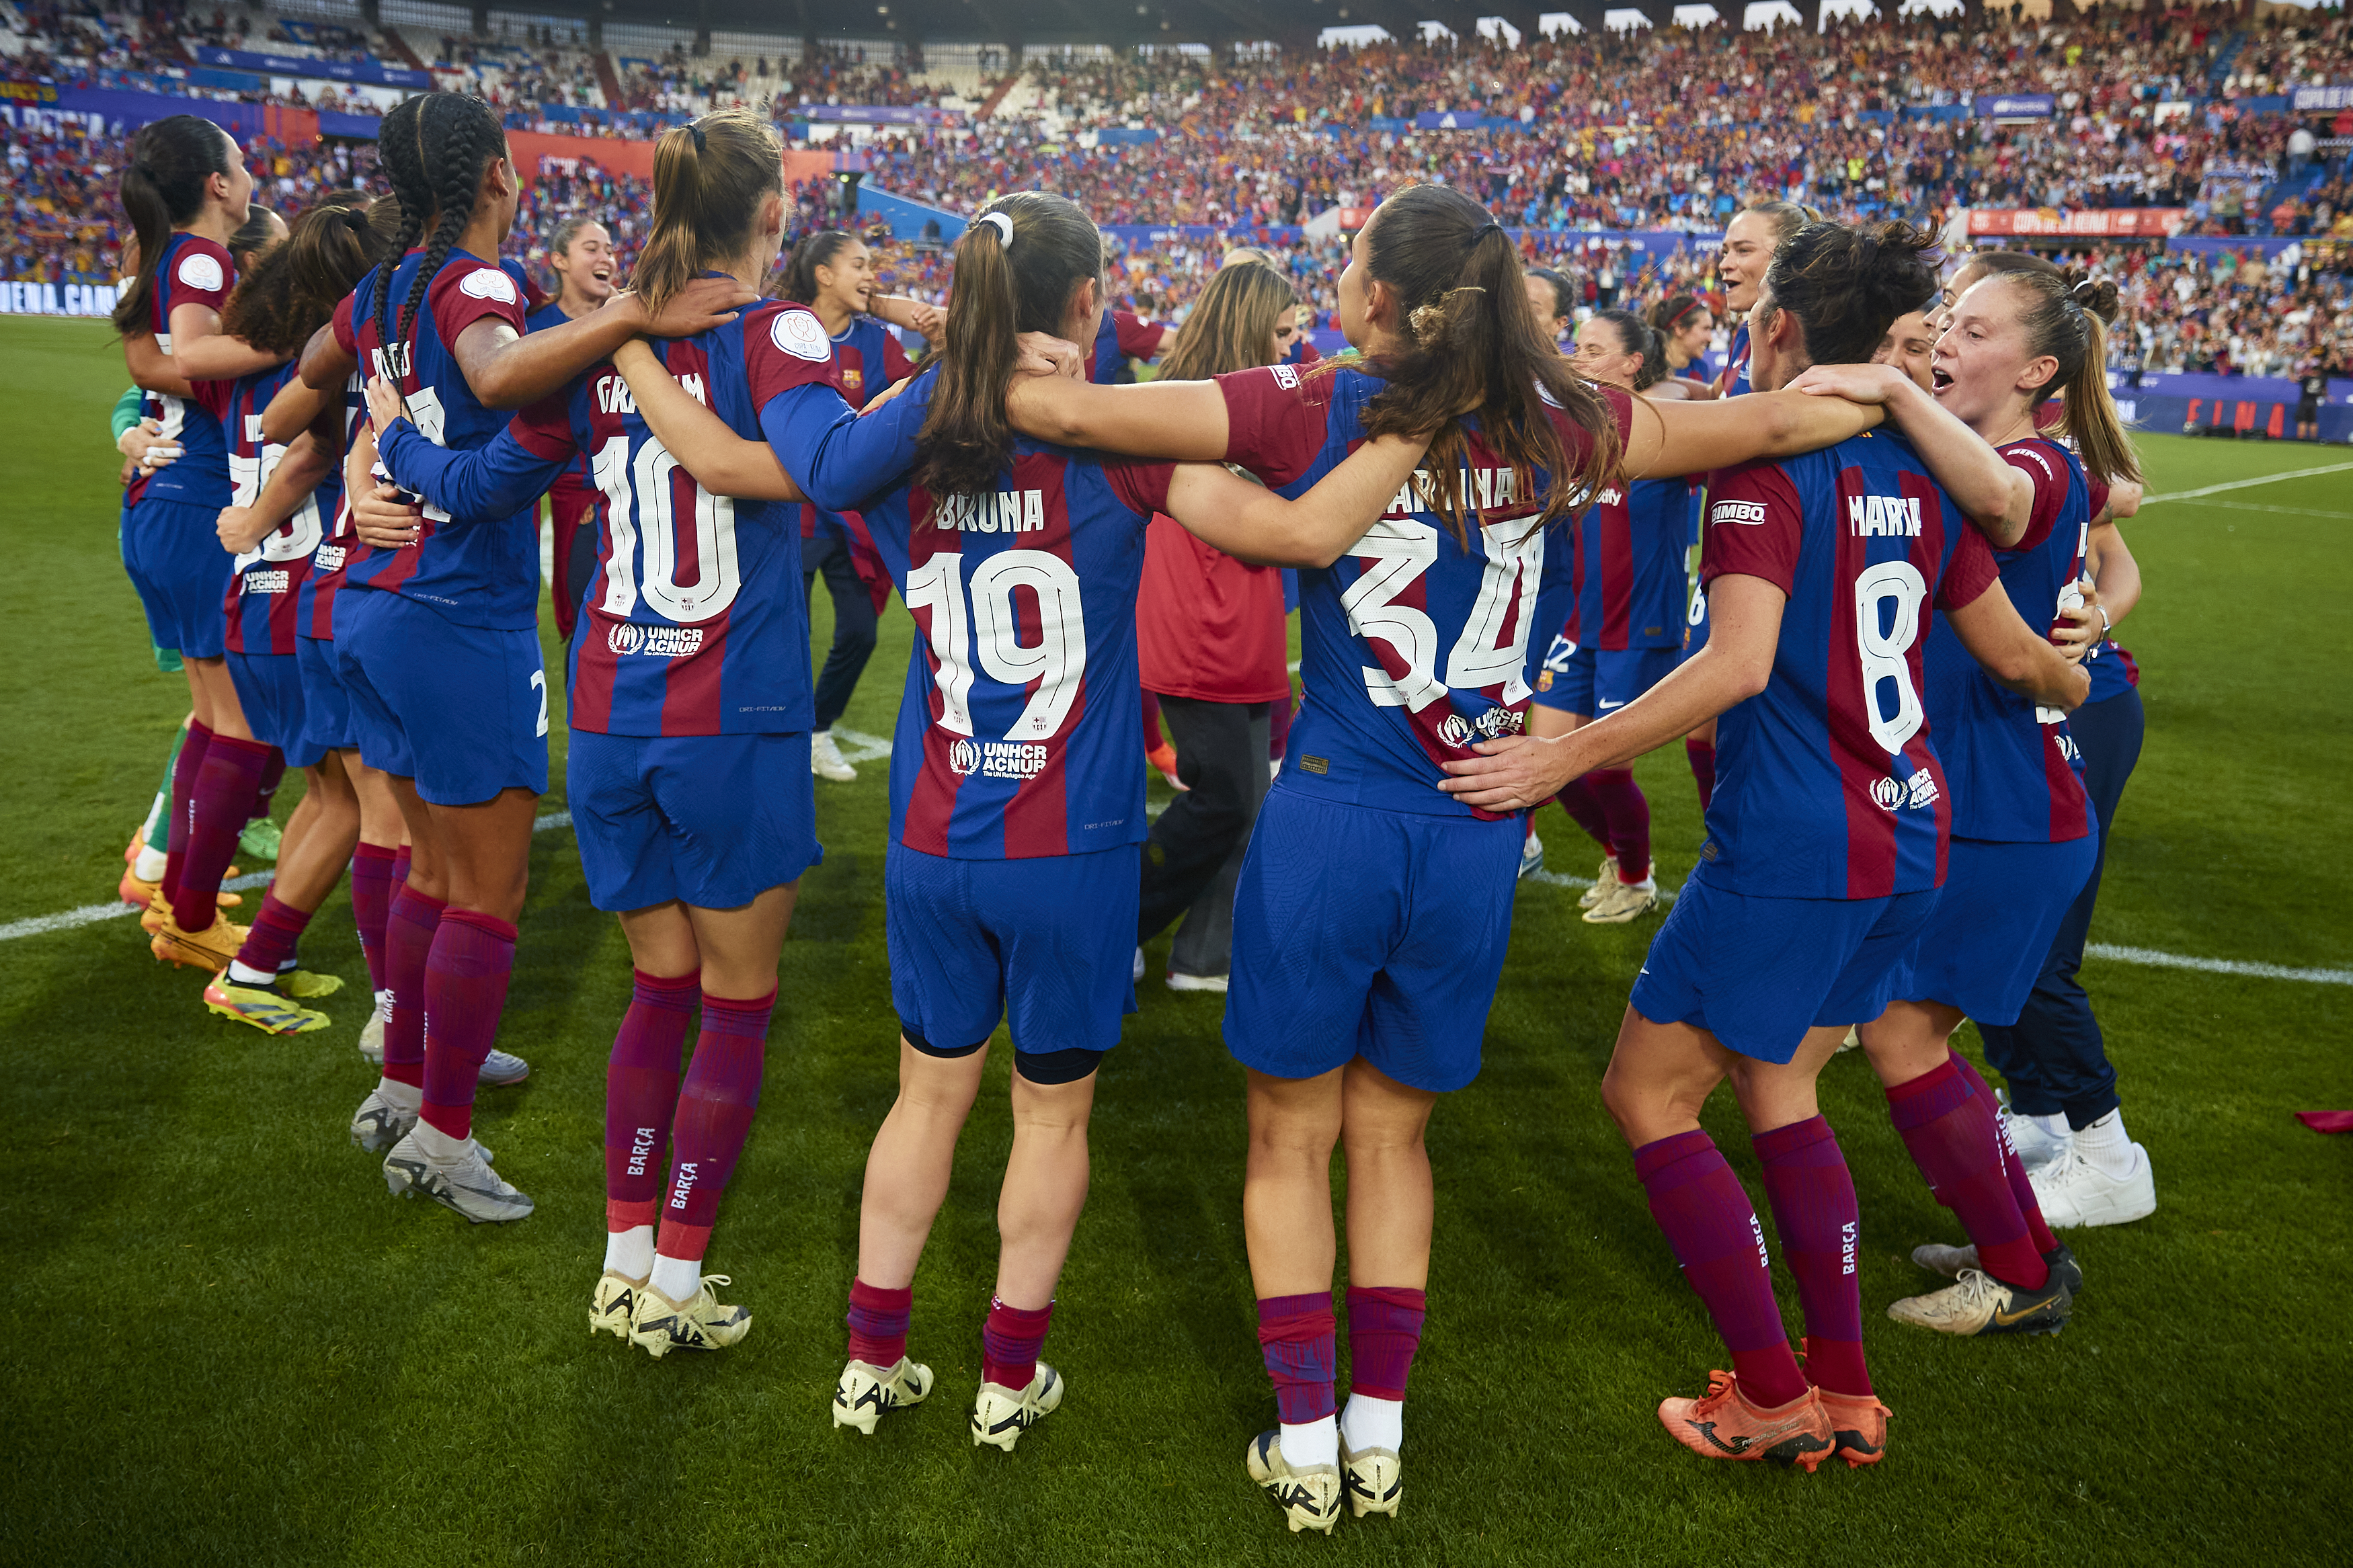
x=1723 y=1425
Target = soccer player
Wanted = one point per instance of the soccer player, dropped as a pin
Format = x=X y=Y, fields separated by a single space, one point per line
x=1826 y=841
x=832 y=273
x=1624 y=632
x=581 y=252
x=435 y=638
x=1554 y=301
x=1291 y=338
x=1687 y=327
x=187 y=192
x=1373 y=912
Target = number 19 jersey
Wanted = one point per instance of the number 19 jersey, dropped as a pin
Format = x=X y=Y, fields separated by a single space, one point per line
x=1414 y=646
x=1827 y=785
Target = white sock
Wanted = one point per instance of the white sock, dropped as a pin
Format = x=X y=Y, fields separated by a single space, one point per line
x=2049 y=1126
x=2105 y=1144
x=631 y=1252
x=408 y=1096
x=1369 y=1423
x=149 y=866
x=680 y=1278
x=436 y=1144
x=1317 y=1442
x=244 y=976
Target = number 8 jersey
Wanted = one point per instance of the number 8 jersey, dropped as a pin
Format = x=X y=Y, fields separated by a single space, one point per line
x=1827 y=785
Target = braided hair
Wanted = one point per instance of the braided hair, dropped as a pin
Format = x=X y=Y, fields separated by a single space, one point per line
x=398 y=155
x=457 y=137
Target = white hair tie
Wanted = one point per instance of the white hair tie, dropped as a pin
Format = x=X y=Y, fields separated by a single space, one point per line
x=1002 y=225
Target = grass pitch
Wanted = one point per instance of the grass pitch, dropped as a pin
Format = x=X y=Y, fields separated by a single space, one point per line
x=227 y=1346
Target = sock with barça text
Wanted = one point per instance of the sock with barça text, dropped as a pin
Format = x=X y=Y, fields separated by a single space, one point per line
x=1711 y=1225
x=1952 y=1136
x=715 y=1117
x=878 y=1323
x=466 y=980
x=223 y=789
x=400 y=859
x=270 y=942
x=1299 y=1338
x=1584 y=808
x=1629 y=815
x=408 y=930
x=640 y=1097
x=1812 y=1196
x=371 y=902
x=2021 y=1188
x=1701 y=754
x=1010 y=1343
x=186 y=767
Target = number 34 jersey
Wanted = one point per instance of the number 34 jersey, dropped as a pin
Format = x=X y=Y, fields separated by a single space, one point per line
x=1827 y=784
x=1414 y=648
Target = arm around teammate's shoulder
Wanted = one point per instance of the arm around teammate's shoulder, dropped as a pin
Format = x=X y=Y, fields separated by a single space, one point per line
x=1669 y=440
x=1253 y=524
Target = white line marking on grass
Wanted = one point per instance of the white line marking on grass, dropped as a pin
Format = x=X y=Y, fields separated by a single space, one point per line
x=857 y=746
x=2281 y=510
x=2247 y=484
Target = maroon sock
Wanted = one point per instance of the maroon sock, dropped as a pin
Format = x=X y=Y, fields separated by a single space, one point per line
x=2012 y=1167
x=265 y=788
x=465 y=991
x=1010 y=1343
x=1299 y=1339
x=1711 y=1225
x=371 y=902
x=1383 y=1331
x=399 y=869
x=715 y=1116
x=1812 y=1194
x=270 y=941
x=878 y=1323
x=185 y=768
x=641 y=1095
x=1951 y=1134
x=223 y=789
x=1584 y=808
x=1701 y=754
x=1629 y=815
x=408 y=931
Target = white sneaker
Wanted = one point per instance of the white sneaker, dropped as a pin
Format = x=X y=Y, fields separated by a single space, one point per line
x=499 y=1069
x=1137 y=975
x=1622 y=901
x=1000 y=1415
x=1601 y=880
x=372 y=1031
x=2034 y=1147
x=824 y=759
x=1177 y=982
x=464 y=1183
x=2074 y=1192
x=1531 y=856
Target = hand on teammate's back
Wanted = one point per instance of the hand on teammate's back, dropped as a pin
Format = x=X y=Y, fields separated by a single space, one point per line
x=705 y=303
x=1043 y=354
x=239 y=529
x=2080 y=628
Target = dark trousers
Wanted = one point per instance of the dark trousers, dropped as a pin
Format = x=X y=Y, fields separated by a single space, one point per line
x=2052 y=1058
x=1194 y=853
x=853 y=624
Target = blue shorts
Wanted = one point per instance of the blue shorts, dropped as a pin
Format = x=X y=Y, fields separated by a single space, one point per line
x=1758 y=973
x=1602 y=680
x=326 y=706
x=709 y=820
x=461 y=710
x=2000 y=906
x=1046 y=944
x=181 y=572
x=1363 y=933
x=269 y=690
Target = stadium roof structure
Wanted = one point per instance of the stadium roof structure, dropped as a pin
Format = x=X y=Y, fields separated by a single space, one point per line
x=1045 y=23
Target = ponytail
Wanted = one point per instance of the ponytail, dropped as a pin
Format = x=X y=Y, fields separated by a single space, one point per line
x=458 y=139
x=1636 y=336
x=398 y=144
x=1471 y=342
x=293 y=291
x=709 y=180
x=2065 y=315
x=171 y=161
x=817 y=250
x=965 y=439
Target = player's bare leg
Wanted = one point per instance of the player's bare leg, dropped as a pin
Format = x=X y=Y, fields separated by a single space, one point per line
x=1660 y=1075
x=1038 y=1209
x=1392 y=1204
x=1294 y=1125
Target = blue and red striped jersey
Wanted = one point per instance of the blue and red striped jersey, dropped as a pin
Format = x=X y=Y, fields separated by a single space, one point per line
x=1827 y=784
x=1124 y=335
x=1414 y=646
x=315 y=608
x=1630 y=550
x=263 y=604
x=574 y=498
x=870 y=360
x=194 y=271
x=1732 y=379
x=481 y=572
x=2014 y=765
x=1023 y=715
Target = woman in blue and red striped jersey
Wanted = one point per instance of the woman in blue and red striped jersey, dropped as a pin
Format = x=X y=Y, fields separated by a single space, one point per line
x=832 y=273
x=187 y=192
x=1827 y=840
x=1374 y=909
x=434 y=637
x=581 y=252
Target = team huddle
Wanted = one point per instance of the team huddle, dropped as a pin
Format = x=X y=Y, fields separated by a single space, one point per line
x=364 y=411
